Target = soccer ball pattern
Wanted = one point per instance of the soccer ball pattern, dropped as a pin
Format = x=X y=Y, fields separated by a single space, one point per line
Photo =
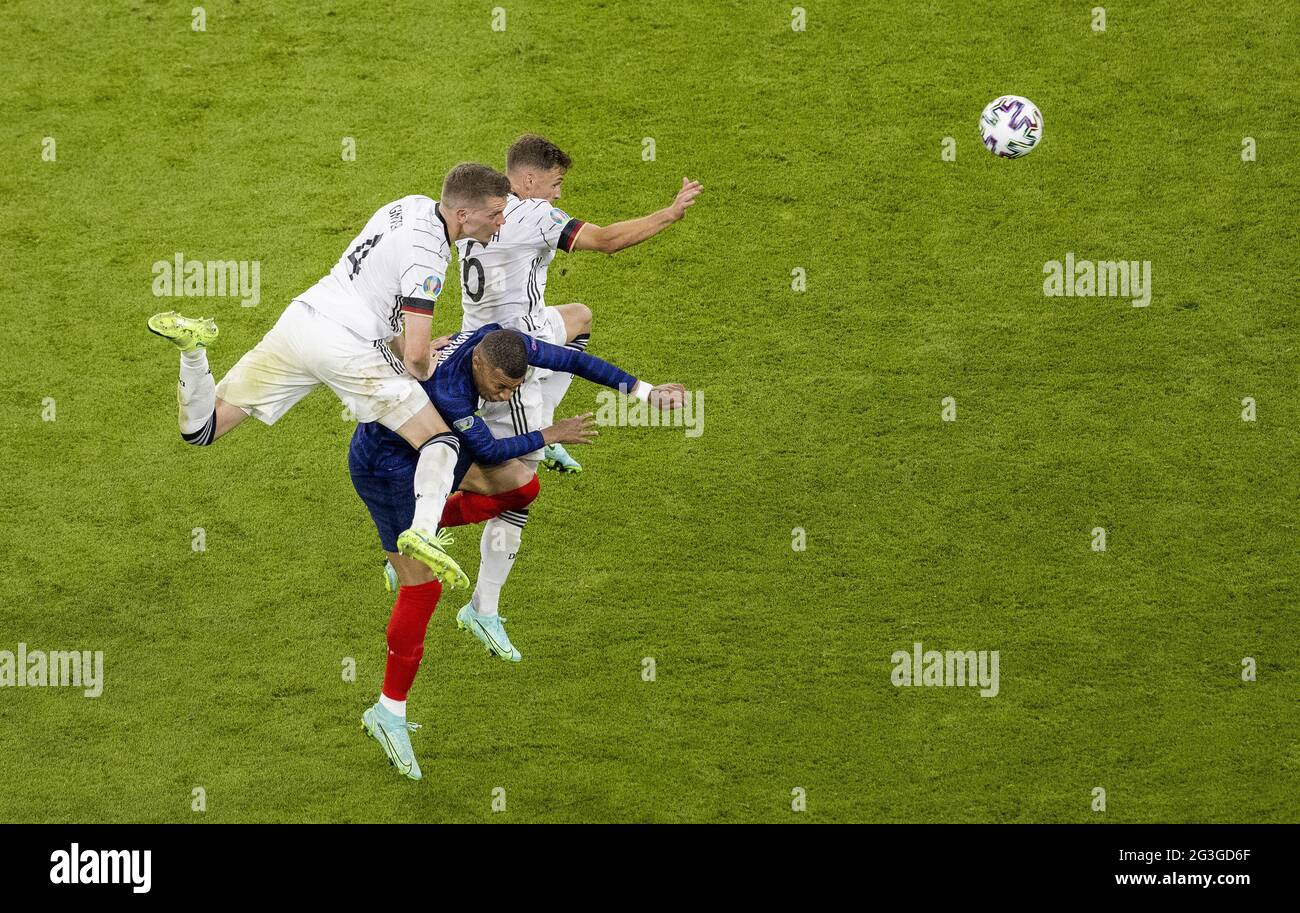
x=1011 y=126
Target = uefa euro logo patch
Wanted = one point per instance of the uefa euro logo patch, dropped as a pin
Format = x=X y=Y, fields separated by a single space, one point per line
x=464 y=424
x=432 y=286
x=559 y=216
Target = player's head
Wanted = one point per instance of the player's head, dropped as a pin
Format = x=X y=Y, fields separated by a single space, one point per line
x=536 y=167
x=500 y=362
x=474 y=198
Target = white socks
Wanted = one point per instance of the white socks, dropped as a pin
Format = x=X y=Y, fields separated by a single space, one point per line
x=497 y=550
x=197 y=394
x=433 y=477
x=392 y=706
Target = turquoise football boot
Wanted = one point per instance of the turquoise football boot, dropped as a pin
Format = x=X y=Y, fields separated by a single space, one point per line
x=392 y=734
x=491 y=630
x=556 y=458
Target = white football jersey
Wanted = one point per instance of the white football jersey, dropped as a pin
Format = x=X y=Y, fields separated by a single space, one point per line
x=398 y=263
x=504 y=281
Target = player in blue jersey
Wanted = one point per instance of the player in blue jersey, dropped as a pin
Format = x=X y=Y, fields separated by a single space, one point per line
x=485 y=365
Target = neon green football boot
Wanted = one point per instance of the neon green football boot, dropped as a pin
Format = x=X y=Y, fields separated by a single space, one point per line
x=431 y=551
x=188 y=333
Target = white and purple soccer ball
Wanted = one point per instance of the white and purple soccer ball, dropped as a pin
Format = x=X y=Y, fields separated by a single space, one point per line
x=1011 y=126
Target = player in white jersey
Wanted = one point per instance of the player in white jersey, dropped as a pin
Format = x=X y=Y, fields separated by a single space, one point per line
x=504 y=281
x=343 y=333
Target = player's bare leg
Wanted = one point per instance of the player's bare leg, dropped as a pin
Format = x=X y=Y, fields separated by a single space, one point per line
x=408 y=571
x=577 y=326
x=439 y=450
x=498 y=479
x=228 y=417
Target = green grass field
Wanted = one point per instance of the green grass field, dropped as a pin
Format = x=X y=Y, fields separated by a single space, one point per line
x=819 y=150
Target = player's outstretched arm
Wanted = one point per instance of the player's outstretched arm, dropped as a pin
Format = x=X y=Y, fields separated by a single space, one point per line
x=598 y=371
x=610 y=239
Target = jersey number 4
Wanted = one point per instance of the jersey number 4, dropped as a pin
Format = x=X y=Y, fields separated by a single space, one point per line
x=359 y=253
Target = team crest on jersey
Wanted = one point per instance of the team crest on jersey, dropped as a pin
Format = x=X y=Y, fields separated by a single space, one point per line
x=432 y=286
x=559 y=216
x=464 y=424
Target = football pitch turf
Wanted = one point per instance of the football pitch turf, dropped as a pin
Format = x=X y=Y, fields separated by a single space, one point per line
x=839 y=279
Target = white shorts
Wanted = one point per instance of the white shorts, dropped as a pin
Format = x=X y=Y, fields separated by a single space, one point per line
x=525 y=411
x=306 y=349
x=548 y=328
